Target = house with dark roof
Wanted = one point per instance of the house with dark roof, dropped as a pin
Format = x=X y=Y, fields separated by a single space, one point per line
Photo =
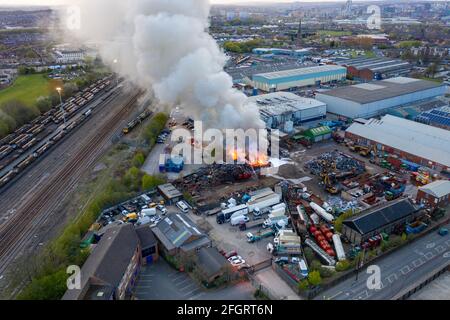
x=211 y=264
x=385 y=218
x=110 y=271
x=178 y=235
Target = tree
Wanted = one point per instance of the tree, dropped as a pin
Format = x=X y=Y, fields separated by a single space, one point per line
x=343 y=266
x=43 y=104
x=20 y=112
x=149 y=182
x=303 y=285
x=69 y=89
x=50 y=287
x=138 y=159
x=314 y=278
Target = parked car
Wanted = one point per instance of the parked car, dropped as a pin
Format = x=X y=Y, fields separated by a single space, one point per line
x=161 y=208
x=230 y=254
x=236 y=261
x=282 y=260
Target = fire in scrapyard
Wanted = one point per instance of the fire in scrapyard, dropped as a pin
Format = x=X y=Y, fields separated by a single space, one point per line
x=165 y=46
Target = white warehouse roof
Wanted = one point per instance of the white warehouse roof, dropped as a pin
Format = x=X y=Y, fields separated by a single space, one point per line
x=381 y=90
x=437 y=189
x=415 y=138
x=278 y=103
x=300 y=72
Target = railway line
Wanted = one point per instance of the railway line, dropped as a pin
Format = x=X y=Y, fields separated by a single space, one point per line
x=18 y=189
x=32 y=214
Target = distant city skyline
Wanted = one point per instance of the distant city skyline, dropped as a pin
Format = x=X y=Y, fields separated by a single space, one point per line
x=59 y=2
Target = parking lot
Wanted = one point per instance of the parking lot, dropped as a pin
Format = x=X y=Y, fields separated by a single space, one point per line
x=159 y=281
x=230 y=238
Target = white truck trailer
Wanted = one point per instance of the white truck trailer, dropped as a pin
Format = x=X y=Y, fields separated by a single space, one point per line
x=264 y=202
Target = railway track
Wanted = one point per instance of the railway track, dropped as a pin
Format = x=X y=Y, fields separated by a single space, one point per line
x=30 y=216
x=19 y=189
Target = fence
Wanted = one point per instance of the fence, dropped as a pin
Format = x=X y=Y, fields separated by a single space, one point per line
x=420 y=284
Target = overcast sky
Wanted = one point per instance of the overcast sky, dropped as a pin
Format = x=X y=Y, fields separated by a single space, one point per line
x=50 y=2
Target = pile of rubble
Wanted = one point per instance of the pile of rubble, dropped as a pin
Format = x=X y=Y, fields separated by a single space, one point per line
x=340 y=206
x=335 y=161
x=217 y=174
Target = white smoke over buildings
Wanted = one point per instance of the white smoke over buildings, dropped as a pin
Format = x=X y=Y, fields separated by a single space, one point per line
x=165 y=45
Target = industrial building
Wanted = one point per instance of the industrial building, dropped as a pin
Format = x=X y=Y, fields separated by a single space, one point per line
x=435 y=194
x=283 y=110
x=170 y=194
x=439 y=117
x=384 y=219
x=295 y=78
x=110 y=271
x=416 y=142
x=178 y=235
x=368 y=69
x=287 y=52
x=374 y=98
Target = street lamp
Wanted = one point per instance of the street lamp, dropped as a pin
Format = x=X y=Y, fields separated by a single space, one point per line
x=115 y=61
x=61 y=105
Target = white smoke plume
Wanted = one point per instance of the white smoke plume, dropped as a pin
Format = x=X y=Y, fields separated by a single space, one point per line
x=164 y=45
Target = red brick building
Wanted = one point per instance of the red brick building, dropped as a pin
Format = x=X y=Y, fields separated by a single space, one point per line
x=435 y=194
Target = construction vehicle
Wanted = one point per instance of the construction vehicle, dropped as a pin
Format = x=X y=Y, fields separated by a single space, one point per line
x=395 y=192
x=422 y=176
x=130 y=217
x=264 y=233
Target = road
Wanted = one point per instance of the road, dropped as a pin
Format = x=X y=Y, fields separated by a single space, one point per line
x=398 y=270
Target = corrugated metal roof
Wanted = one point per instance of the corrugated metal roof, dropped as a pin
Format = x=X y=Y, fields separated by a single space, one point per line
x=389 y=88
x=437 y=189
x=300 y=72
x=380 y=217
x=415 y=138
x=319 y=131
x=279 y=103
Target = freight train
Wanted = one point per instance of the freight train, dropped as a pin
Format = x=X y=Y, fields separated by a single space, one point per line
x=26 y=136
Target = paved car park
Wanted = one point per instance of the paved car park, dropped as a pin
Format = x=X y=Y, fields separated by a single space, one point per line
x=160 y=281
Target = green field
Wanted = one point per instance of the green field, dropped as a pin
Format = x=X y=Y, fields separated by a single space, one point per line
x=333 y=33
x=26 y=89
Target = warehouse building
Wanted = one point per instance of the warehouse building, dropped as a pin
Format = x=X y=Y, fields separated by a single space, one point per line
x=283 y=110
x=296 y=78
x=170 y=194
x=384 y=219
x=435 y=194
x=368 y=69
x=111 y=270
x=416 y=142
x=374 y=98
x=179 y=236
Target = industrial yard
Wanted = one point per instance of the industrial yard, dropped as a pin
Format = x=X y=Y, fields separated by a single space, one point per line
x=190 y=150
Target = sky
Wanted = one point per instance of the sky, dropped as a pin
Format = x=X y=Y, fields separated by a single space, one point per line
x=55 y=2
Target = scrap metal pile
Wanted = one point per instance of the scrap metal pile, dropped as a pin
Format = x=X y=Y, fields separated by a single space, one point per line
x=216 y=174
x=336 y=163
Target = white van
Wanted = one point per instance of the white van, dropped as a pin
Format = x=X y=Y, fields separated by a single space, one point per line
x=182 y=206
